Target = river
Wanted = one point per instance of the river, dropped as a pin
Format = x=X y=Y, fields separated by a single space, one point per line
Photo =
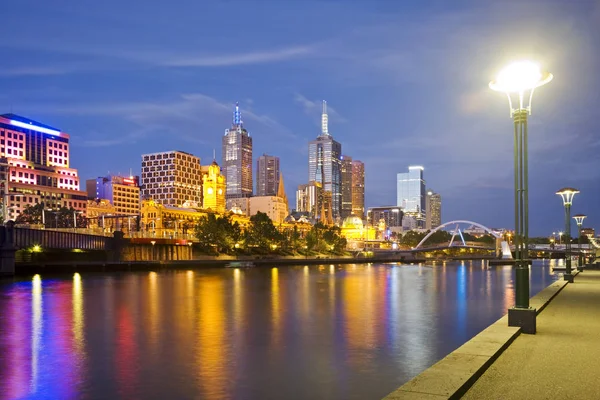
x=309 y=332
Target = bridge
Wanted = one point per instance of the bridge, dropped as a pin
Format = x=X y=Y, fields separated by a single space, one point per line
x=30 y=243
x=457 y=232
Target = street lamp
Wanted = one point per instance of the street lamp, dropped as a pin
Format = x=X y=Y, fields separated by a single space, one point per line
x=560 y=237
x=4 y=205
x=520 y=79
x=579 y=220
x=567 y=195
x=75 y=212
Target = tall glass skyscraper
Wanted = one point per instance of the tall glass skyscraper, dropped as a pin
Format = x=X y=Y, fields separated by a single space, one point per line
x=411 y=192
x=267 y=175
x=237 y=158
x=325 y=164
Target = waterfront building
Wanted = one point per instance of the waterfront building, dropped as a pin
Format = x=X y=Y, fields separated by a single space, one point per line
x=237 y=158
x=213 y=188
x=387 y=220
x=308 y=198
x=267 y=175
x=325 y=164
x=276 y=207
x=172 y=178
x=433 y=210
x=411 y=195
x=97 y=211
x=35 y=167
x=122 y=192
x=358 y=188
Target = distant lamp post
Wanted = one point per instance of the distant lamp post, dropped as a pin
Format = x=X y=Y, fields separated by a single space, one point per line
x=567 y=195
x=579 y=220
x=518 y=81
x=560 y=237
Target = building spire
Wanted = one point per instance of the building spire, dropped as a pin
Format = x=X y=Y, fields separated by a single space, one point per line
x=237 y=115
x=324 y=120
x=214 y=155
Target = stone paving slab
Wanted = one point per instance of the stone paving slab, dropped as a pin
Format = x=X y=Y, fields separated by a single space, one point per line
x=452 y=376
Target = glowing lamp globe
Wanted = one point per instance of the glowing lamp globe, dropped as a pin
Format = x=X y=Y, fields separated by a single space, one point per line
x=567 y=195
x=519 y=77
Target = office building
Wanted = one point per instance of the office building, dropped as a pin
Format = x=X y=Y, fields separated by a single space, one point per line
x=237 y=158
x=35 y=167
x=358 y=188
x=213 y=188
x=433 y=210
x=267 y=175
x=122 y=192
x=325 y=164
x=390 y=215
x=172 y=178
x=308 y=198
x=411 y=195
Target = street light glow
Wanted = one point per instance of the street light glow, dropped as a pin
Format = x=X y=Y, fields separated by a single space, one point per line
x=567 y=195
x=519 y=77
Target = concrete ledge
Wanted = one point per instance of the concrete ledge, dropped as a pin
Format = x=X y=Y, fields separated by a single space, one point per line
x=452 y=376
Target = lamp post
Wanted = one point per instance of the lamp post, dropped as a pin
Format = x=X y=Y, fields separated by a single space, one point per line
x=579 y=220
x=567 y=195
x=560 y=237
x=5 y=208
x=518 y=81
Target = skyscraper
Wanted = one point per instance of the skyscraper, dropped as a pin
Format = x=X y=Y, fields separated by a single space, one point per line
x=325 y=164
x=308 y=198
x=267 y=175
x=433 y=210
x=237 y=158
x=358 y=188
x=411 y=193
x=346 y=173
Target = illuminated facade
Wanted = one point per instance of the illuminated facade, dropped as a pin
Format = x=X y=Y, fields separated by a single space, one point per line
x=276 y=207
x=391 y=216
x=122 y=192
x=35 y=167
x=213 y=189
x=267 y=175
x=411 y=195
x=358 y=188
x=325 y=164
x=346 y=173
x=308 y=198
x=237 y=158
x=172 y=178
x=433 y=210
x=98 y=208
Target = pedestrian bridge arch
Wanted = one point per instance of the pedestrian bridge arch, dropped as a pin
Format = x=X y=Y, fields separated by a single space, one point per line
x=457 y=222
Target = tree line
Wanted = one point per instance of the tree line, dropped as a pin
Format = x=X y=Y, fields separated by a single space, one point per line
x=218 y=234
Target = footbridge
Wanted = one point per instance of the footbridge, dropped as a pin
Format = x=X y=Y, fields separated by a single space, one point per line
x=458 y=240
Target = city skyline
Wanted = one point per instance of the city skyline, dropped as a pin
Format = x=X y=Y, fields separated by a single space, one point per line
x=118 y=103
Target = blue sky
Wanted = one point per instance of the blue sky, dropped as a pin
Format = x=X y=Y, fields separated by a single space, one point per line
x=406 y=83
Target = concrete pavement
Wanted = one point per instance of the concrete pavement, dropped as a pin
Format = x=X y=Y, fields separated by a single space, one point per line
x=561 y=361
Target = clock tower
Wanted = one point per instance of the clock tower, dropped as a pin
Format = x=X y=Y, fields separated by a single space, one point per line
x=213 y=189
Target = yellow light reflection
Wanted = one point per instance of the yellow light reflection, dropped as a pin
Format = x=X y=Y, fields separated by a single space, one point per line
x=275 y=305
x=36 y=328
x=78 y=317
x=238 y=312
x=210 y=344
x=153 y=308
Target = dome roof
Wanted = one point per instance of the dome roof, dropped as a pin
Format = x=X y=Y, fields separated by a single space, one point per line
x=352 y=222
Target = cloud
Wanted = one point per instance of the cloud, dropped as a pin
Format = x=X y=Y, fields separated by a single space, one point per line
x=226 y=60
x=315 y=108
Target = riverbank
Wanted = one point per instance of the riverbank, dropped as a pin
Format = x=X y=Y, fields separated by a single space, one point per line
x=97 y=266
x=455 y=375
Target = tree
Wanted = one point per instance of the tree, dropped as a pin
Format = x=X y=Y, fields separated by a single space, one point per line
x=217 y=234
x=261 y=233
x=411 y=238
x=31 y=215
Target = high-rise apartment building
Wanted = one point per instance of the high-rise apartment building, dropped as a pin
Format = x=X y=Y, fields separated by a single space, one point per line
x=358 y=188
x=35 y=167
x=237 y=158
x=325 y=164
x=346 y=173
x=433 y=210
x=121 y=191
x=267 y=175
x=411 y=193
x=172 y=178
x=391 y=216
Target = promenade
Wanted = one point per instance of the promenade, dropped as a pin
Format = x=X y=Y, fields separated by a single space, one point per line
x=562 y=360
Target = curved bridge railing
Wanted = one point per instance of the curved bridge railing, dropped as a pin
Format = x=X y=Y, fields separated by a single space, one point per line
x=460 y=221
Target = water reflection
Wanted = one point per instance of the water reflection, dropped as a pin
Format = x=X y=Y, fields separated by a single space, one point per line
x=352 y=331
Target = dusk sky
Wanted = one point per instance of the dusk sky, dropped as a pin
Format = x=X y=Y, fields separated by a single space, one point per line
x=406 y=83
